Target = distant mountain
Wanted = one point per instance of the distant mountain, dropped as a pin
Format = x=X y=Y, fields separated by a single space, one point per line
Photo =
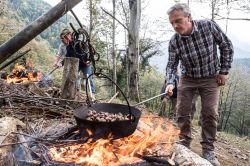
x=242 y=62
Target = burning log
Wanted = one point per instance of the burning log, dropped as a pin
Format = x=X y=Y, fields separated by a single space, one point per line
x=35 y=28
x=70 y=75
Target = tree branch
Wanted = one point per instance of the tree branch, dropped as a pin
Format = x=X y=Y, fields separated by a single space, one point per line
x=237 y=19
x=115 y=19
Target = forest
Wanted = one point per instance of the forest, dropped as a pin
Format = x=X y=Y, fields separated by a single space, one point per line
x=134 y=74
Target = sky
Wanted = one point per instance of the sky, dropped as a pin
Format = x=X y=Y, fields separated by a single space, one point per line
x=155 y=16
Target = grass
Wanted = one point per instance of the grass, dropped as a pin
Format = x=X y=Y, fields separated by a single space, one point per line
x=243 y=142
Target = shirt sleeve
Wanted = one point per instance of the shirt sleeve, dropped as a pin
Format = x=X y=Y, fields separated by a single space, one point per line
x=172 y=64
x=60 y=51
x=225 y=47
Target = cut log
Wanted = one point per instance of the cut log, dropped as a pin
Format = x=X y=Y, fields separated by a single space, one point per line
x=7 y=125
x=70 y=75
x=183 y=154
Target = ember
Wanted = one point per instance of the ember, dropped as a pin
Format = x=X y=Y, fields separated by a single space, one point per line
x=120 y=151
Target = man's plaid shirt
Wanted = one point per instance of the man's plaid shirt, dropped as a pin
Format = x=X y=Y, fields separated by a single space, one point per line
x=198 y=52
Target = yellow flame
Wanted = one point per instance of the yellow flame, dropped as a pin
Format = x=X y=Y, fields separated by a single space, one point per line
x=121 y=151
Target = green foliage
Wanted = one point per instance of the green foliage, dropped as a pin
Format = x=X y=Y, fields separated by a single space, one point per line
x=148 y=49
x=243 y=142
x=20 y=13
x=150 y=85
x=234 y=104
x=26 y=11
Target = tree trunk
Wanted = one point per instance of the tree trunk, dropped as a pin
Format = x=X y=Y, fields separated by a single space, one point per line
x=113 y=50
x=70 y=74
x=133 y=61
x=90 y=19
x=231 y=105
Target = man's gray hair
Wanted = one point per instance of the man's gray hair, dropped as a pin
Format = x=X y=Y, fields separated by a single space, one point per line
x=180 y=7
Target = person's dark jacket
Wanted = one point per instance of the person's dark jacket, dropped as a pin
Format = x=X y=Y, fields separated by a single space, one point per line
x=80 y=51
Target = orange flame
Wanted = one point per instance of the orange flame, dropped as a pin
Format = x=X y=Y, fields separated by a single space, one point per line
x=29 y=75
x=105 y=152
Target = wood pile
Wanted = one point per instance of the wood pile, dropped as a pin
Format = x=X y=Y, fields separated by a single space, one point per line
x=29 y=100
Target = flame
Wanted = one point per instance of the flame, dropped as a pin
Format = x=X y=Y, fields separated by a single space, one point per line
x=105 y=152
x=20 y=74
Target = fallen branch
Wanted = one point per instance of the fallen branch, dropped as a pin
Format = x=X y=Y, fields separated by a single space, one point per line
x=113 y=97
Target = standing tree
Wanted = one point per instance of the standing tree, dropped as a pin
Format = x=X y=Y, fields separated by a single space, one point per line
x=90 y=18
x=133 y=50
x=113 y=49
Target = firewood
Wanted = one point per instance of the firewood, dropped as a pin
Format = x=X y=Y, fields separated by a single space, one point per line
x=173 y=156
x=185 y=155
x=31 y=162
x=113 y=97
x=168 y=161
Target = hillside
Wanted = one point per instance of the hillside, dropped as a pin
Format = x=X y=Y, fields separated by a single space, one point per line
x=27 y=11
x=16 y=14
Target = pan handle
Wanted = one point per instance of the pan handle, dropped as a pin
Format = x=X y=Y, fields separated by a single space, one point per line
x=132 y=117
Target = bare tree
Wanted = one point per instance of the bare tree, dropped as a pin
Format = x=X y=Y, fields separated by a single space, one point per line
x=133 y=50
x=113 y=49
x=90 y=19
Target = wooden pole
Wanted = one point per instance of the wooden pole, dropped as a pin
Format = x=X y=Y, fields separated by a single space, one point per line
x=70 y=75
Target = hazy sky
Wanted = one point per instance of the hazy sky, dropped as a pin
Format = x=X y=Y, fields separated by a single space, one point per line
x=156 y=11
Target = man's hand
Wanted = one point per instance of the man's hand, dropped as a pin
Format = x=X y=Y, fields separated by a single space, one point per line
x=57 y=65
x=87 y=63
x=169 y=89
x=221 y=79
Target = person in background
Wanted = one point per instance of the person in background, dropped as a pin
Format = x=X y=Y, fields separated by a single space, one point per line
x=167 y=99
x=195 y=45
x=76 y=50
x=172 y=100
x=62 y=51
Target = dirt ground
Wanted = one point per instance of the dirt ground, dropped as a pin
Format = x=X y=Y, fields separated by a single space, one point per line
x=228 y=153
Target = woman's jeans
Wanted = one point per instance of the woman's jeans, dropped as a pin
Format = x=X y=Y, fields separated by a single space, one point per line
x=86 y=71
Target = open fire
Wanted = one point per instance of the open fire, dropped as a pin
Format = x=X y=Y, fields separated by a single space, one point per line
x=154 y=138
x=20 y=74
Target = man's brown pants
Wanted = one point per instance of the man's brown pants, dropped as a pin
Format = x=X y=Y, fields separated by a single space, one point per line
x=209 y=93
